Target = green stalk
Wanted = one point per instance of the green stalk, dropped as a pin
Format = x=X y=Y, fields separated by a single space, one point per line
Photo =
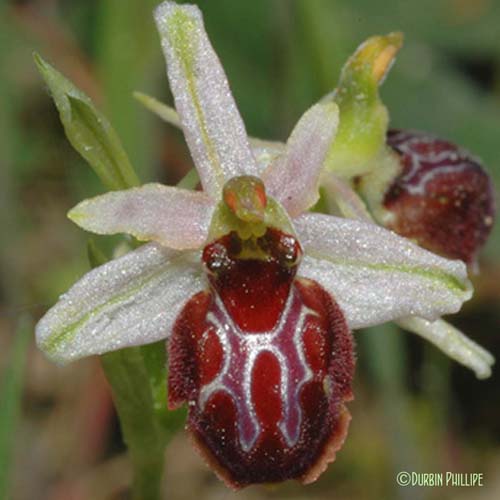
x=143 y=435
x=137 y=377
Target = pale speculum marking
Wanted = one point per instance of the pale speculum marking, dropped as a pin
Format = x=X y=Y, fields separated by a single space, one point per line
x=240 y=352
x=442 y=161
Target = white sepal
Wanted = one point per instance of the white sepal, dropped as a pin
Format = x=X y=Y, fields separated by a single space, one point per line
x=375 y=275
x=129 y=301
x=213 y=128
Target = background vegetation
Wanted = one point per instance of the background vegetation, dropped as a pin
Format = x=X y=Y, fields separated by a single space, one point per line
x=414 y=410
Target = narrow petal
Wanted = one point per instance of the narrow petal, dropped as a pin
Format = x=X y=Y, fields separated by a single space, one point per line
x=212 y=125
x=453 y=343
x=293 y=178
x=377 y=276
x=129 y=301
x=174 y=217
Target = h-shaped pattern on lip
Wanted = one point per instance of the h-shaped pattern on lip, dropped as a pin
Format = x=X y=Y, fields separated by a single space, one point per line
x=241 y=350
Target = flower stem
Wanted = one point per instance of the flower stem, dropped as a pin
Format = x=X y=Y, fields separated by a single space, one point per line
x=137 y=376
x=142 y=432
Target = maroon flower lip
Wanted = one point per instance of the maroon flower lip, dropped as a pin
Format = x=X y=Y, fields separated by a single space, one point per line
x=443 y=198
x=265 y=361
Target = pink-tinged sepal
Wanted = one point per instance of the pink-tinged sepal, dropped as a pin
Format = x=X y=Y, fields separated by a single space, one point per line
x=443 y=198
x=265 y=370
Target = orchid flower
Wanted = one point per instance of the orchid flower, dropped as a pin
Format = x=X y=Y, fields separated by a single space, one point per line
x=255 y=296
x=359 y=153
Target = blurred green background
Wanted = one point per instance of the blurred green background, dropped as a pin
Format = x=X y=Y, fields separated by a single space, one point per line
x=414 y=409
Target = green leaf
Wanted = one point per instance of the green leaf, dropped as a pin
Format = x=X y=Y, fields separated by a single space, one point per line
x=10 y=400
x=89 y=131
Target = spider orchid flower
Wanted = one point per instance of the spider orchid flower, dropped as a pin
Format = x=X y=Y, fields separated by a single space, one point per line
x=255 y=296
x=451 y=216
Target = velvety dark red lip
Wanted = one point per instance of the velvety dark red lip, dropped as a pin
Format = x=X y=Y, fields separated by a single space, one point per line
x=443 y=198
x=265 y=361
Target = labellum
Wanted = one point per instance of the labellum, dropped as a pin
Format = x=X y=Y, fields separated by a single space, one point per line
x=442 y=197
x=264 y=360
